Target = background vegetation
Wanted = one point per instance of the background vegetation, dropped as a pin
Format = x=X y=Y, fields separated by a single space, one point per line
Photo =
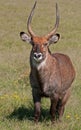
x=16 y=106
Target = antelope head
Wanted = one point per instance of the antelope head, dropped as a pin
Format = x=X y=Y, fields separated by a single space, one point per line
x=40 y=45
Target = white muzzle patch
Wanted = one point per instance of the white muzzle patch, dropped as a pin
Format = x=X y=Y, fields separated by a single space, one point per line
x=38 y=57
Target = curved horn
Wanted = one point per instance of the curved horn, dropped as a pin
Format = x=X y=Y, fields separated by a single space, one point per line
x=29 y=20
x=56 y=24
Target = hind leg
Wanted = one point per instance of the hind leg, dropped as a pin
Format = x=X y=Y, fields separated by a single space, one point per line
x=59 y=109
x=61 y=105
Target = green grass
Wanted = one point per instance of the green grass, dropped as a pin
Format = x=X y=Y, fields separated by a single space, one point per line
x=16 y=106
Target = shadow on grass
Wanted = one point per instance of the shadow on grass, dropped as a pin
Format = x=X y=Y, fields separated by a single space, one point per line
x=23 y=113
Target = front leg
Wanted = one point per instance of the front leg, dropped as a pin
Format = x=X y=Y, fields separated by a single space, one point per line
x=53 y=108
x=37 y=106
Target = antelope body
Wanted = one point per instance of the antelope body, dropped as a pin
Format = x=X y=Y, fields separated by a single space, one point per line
x=51 y=74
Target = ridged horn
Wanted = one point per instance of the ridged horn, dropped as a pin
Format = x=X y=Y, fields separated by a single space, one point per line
x=30 y=19
x=56 y=24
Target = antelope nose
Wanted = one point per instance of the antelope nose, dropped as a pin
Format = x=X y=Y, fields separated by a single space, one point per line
x=37 y=55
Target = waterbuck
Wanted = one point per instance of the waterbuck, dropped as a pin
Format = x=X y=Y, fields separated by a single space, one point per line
x=51 y=74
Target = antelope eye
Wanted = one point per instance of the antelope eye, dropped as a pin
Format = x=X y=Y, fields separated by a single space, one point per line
x=32 y=43
x=45 y=44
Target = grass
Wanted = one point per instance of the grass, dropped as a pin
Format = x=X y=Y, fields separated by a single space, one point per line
x=16 y=106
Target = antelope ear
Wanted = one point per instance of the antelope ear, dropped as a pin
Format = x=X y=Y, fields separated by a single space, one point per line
x=25 y=37
x=54 y=38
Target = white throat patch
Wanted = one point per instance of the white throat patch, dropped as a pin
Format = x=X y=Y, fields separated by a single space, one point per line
x=42 y=64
